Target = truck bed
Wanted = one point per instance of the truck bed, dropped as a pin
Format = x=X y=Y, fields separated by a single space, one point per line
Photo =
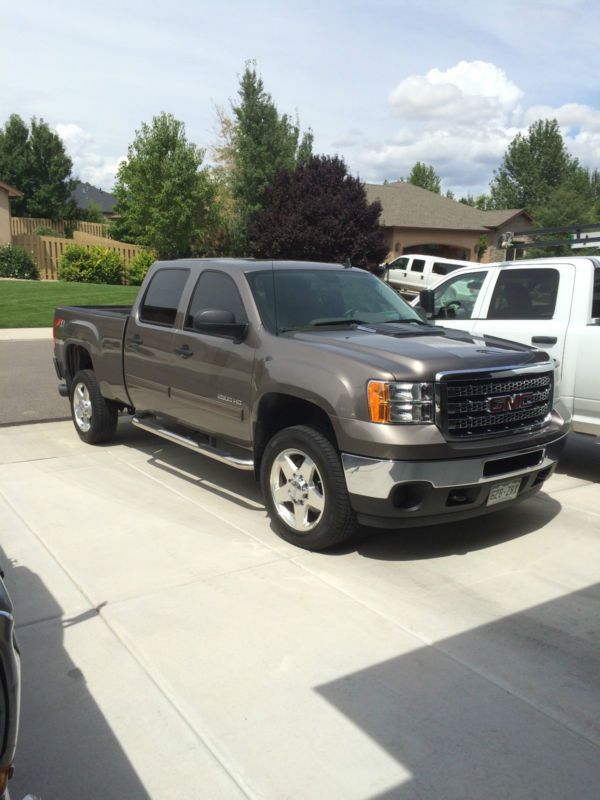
x=111 y=311
x=98 y=331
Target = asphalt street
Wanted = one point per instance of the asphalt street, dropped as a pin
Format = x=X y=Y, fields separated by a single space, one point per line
x=28 y=383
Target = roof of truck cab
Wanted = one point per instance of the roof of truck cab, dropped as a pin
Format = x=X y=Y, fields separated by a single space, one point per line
x=252 y=264
x=544 y=262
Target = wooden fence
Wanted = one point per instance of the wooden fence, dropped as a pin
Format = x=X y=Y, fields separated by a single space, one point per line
x=47 y=251
x=27 y=225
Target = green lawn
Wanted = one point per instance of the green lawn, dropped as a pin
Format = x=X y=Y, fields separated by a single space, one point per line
x=31 y=304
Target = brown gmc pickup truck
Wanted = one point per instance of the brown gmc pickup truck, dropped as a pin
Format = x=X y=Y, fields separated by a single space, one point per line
x=347 y=406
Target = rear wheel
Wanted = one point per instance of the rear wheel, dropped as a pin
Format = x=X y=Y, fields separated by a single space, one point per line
x=95 y=418
x=305 y=489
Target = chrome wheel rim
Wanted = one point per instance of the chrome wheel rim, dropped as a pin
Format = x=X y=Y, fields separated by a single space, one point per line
x=82 y=407
x=297 y=490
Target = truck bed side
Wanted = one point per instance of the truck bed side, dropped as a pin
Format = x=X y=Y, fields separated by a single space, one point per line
x=92 y=337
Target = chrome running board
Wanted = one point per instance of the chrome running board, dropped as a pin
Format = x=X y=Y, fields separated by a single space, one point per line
x=147 y=424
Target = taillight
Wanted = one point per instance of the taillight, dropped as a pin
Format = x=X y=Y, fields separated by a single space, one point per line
x=58 y=323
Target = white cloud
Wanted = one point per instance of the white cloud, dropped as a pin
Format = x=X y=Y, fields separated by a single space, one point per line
x=461 y=120
x=462 y=94
x=569 y=116
x=88 y=164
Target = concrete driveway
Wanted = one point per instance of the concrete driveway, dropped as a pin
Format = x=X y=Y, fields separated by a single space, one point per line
x=173 y=647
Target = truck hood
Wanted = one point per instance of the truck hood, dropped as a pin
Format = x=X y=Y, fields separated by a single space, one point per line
x=409 y=351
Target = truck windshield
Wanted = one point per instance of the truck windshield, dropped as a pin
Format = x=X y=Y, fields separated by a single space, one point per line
x=293 y=299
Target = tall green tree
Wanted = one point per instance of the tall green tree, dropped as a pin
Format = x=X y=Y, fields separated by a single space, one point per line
x=534 y=165
x=164 y=197
x=33 y=159
x=425 y=176
x=318 y=212
x=483 y=202
x=255 y=144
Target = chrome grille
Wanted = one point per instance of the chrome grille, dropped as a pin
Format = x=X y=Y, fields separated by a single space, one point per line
x=475 y=408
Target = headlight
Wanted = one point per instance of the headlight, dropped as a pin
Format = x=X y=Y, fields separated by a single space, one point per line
x=400 y=403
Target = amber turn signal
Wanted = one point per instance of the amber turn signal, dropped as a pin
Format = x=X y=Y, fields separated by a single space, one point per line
x=379 y=401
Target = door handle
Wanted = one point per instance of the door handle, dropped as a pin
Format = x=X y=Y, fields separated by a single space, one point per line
x=136 y=340
x=544 y=340
x=184 y=351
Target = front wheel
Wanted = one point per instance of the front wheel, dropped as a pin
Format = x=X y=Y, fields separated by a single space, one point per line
x=95 y=418
x=305 y=489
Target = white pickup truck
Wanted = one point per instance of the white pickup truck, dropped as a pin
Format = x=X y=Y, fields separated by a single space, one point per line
x=550 y=303
x=411 y=273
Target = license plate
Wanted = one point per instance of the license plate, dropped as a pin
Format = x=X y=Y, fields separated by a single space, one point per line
x=502 y=492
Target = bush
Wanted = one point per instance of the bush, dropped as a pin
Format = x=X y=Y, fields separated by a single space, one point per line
x=91 y=265
x=15 y=262
x=44 y=230
x=139 y=266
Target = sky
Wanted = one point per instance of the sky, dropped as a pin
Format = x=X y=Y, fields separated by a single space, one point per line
x=383 y=83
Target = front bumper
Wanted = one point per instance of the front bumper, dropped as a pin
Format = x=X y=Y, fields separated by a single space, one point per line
x=387 y=493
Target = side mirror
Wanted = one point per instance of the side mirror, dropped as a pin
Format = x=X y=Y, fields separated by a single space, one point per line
x=220 y=322
x=427 y=302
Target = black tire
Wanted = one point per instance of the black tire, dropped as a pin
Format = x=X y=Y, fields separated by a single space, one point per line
x=96 y=422
x=336 y=521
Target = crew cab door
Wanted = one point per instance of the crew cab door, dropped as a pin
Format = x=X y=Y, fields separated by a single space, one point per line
x=211 y=384
x=148 y=346
x=395 y=274
x=531 y=305
x=415 y=275
x=583 y=347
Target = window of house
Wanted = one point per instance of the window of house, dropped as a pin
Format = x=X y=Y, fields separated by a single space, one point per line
x=525 y=294
x=215 y=290
x=160 y=303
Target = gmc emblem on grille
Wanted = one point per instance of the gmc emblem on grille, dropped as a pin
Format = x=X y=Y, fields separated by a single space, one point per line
x=509 y=402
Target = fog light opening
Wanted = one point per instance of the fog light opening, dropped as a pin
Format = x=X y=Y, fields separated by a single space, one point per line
x=409 y=496
x=460 y=497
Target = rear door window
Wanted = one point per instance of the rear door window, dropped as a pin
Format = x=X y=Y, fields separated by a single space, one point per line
x=596 y=294
x=418 y=265
x=525 y=294
x=161 y=301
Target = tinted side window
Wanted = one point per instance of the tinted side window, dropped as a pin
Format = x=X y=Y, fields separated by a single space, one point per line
x=525 y=294
x=441 y=268
x=163 y=295
x=215 y=290
x=456 y=297
x=418 y=265
x=596 y=296
x=399 y=263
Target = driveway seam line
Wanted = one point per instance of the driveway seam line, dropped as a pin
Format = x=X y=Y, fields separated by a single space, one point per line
x=436 y=646
x=209 y=511
x=202 y=738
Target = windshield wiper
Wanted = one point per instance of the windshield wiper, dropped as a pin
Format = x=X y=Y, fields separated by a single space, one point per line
x=408 y=321
x=341 y=321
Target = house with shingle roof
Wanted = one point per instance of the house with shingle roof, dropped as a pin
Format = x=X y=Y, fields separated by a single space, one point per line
x=6 y=192
x=85 y=193
x=418 y=221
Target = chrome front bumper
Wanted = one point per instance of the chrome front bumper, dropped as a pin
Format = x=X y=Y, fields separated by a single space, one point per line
x=371 y=477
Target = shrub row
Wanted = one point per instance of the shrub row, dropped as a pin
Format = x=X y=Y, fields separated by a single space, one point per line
x=102 y=265
x=79 y=263
x=15 y=262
